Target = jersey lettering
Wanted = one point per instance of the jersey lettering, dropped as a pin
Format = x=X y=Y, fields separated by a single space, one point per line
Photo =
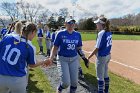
x=109 y=40
x=71 y=46
x=11 y=52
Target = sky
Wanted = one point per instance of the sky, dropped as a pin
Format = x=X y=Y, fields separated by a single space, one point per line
x=88 y=8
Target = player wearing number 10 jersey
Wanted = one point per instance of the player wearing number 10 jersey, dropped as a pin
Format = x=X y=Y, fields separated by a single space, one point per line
x=16 y=53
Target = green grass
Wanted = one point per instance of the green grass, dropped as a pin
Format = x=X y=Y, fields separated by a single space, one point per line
x=117 y=85
x=38 y=82
x=35 y=43
x=92 y=36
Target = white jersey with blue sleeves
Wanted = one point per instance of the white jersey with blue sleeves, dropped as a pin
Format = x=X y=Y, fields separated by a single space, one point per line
x=104 y=43
x=68 y=43
x=15 y=57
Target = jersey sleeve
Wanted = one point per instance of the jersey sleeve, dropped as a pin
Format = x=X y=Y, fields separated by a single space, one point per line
x=80 y=41
x=31 y=55
x=2 y=41
x=57 y=40
x=99 y=39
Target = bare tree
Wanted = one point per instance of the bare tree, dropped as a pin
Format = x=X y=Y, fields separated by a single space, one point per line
x=2 y=21
x=43 y=15
x=29 y=9
x=33 y=10
x=63 y=12
x=10 y=9
x=23 y=6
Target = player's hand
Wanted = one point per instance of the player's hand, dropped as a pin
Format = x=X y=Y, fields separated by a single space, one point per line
x=47 y=62
x=86 y=61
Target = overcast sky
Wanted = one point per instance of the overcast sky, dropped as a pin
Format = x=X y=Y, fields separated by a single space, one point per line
x=83 y=8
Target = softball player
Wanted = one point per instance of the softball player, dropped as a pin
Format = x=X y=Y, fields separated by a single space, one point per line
x=40 y=38
x=68 y=41
x=53 y=37
x=48 y=40
x=3 y=32
x=15 y=54
x=102 y=52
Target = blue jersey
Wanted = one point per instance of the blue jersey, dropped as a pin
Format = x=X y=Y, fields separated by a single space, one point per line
x=3 y=32
x=48 y=34
x=14 y=58
x=40 y=33
x=53 y=37
x=68 y=43
x=104 y=43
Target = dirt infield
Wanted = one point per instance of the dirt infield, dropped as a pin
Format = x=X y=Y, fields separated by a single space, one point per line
x=125 y=58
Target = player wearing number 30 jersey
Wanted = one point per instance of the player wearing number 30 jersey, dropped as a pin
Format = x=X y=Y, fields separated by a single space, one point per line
x=67 y=43
x=102 y=51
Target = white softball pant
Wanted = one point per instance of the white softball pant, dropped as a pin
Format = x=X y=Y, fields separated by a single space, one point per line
x=13 y=84
x=68 y=70
x=102 y=67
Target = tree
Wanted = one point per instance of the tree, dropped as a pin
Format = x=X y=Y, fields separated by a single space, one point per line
x=60 y=21
x=63 y=12
x=33 y=10
x=29 y=10
x=86 y=24
x=52 y=22
x=10 y=9
x=43 y=15
x=2 y=21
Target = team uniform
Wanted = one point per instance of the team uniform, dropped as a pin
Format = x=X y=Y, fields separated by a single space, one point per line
x=3 y=32
x=14 y=59
x=40 y=37
x=68 y=58
x=48 y=42
x=104 y=44
x=52 y=38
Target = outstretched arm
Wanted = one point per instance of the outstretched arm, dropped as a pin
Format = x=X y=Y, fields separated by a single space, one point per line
x=93 y=53
x=44 y=63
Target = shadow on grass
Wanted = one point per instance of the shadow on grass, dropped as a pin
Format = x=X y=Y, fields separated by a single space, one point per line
x=32 y=86
x=90 y=83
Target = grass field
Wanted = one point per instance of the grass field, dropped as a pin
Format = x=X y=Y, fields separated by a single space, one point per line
x=117 y=85
x=39 y=82
x=92 y=36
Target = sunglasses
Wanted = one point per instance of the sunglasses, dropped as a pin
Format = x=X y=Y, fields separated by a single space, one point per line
x=70 y=22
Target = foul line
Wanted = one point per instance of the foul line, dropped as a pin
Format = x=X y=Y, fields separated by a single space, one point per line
x=119 y=63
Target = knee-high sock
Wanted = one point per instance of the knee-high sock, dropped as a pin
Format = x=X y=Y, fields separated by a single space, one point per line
x=72 y=89
x=100 y=86
x=41 y=49
x=106 y=84
x=80 y=71
x=60 y=88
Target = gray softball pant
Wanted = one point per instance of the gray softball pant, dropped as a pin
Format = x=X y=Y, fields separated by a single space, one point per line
x=13 y=84
x=102 y=67
x=48 y=44
x=40 y=40
x=68 y=70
